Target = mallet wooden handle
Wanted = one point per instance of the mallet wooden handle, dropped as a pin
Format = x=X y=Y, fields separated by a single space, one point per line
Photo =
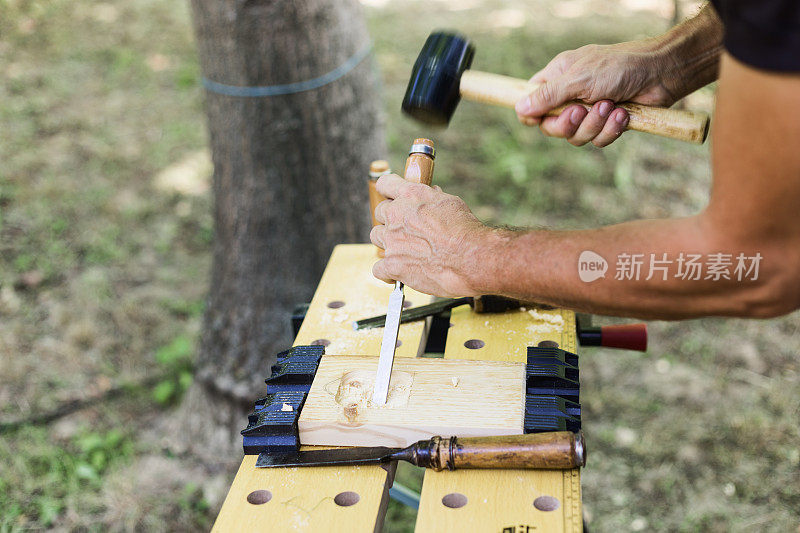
x=551 y=450
x=505 y=91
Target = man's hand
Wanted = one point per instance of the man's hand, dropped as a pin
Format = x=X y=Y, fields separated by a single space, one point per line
x=429 y=238
x=596 y=74
x=656 y=71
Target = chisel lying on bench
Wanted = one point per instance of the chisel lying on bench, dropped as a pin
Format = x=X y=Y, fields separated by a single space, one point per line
x=624 y=336
x=551 y=450
x=480 y=304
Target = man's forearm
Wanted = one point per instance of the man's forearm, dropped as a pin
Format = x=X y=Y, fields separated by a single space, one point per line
x=691 y=52
x=650 y=270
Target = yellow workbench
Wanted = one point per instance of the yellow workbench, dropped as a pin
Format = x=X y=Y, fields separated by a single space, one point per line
x=354 y=499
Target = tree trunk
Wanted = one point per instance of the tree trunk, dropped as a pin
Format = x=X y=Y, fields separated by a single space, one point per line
x=288 y=183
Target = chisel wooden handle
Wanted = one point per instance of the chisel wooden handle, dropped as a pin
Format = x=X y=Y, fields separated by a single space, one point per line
x=419 y=168
x=377 y=169
x=551 y=450
x=505 y=91
x=419 y=165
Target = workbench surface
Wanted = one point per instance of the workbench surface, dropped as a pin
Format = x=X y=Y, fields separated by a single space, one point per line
x=353 y=499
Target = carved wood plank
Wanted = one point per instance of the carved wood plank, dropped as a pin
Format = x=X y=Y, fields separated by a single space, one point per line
x=427 y=397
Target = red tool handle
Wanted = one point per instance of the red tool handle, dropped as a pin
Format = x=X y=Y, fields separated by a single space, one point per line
x=625 y=336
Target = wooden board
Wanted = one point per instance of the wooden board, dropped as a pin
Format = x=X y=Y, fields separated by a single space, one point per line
x=348 y=281
x=506 y=336
x=499 y=499
x=427 y=397
x=303 y=499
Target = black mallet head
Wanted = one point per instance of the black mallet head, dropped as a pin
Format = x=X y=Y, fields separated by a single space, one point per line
x=433 y=94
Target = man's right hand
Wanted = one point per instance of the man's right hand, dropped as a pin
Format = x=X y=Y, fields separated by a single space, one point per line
x=600 y=75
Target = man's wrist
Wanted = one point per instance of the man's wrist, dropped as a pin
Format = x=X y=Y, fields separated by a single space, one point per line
x=689 y=53
x=488 y=259
x=659 y=62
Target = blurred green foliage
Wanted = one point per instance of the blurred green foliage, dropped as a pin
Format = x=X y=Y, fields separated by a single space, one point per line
x=176 y=359
x=37 y=480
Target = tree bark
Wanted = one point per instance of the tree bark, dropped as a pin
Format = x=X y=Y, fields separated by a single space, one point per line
x=288 y=183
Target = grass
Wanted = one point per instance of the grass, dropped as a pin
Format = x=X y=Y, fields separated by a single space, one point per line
x=52 y=473
x=105 y=233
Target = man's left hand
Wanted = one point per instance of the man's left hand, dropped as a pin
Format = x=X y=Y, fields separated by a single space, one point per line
x=430 y=238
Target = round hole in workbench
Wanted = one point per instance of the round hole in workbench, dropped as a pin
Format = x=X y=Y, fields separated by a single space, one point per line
x=336 y=304
x=346 y=499
x=454 y=500
x=321 y=342
x=407 y=304
x=474 y=344
x=548 y=344
x=259 y=497
x=546 y=503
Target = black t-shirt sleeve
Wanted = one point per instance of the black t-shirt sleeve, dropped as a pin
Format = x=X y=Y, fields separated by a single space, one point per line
x=764 y=34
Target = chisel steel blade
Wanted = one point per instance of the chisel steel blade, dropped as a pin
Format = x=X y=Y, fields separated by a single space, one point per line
x=388 y=345
x=334 y=457
x=415 y=313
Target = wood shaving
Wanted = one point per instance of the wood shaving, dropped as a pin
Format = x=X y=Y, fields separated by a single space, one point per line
x=555 y=319
x=536 y=329
x=286 y=407
x=455 y=381
x=552 y=323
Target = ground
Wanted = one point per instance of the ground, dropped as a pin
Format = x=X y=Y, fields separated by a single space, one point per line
x=105 y=232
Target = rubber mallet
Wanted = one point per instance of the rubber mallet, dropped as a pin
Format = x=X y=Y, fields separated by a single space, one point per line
x=441 y=76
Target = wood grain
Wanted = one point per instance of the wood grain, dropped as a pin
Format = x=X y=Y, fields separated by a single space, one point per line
x=427 y=397
x=555 y=449
x=494 y=89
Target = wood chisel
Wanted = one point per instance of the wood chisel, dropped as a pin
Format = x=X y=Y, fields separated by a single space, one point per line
x=419 y=168
x=623 y=336
x=480 y=304
x=550 y=450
